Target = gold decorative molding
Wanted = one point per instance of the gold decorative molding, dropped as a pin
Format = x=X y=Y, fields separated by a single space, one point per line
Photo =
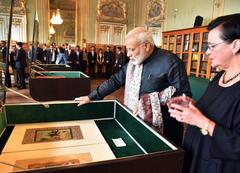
x=112 y=11
x=18 y=8
x=16 y=21
x=118 y=30
x=155 y=12
x=104 y=28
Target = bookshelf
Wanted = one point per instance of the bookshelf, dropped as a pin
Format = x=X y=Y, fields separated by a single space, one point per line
x=190 y=45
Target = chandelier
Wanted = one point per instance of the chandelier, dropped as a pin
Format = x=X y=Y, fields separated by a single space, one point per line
x=56 y=18
x=52 y=30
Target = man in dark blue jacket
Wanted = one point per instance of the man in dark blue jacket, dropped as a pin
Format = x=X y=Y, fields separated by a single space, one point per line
x=20 y=65
x=150 y=70
x=92 y=59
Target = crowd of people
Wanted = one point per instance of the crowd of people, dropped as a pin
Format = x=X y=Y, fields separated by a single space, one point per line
x=95 y=63
x=92 y=62
x=17 y=60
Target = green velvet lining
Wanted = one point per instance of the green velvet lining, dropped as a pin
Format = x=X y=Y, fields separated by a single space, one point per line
x=58 y=112
x=148 y=140
x=66 y=74
x=111 y=130
x=2 y=122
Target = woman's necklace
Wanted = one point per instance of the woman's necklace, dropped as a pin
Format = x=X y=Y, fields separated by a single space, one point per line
x=226 y=81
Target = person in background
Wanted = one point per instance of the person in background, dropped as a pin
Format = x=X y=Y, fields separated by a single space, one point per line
x=30 y=54
x=61 y=57
x=108 y=60
x=212 y=140
x=92 y=58
x=12 y=64
x=79 y=57
x=150 y=70
x=71 y=58
x=66 y=49
x=100 y=61
x=20 y=64
x=119 y=59
x=51 y=55
x=38 y=52
x=85 y=59
x=6 y=60
x=44 y=47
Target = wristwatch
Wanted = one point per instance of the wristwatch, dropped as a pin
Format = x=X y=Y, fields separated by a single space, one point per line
x=204 y=130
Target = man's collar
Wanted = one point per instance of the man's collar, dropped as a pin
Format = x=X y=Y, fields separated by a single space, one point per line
x=151 y=55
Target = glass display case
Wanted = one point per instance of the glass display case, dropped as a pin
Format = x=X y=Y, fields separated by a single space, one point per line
x=100 y=137
x=190 y=45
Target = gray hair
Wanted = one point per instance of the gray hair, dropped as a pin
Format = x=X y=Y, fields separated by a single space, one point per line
x=141 y=34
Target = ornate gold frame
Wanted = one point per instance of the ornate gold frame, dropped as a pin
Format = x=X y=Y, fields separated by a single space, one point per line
x=155 y=12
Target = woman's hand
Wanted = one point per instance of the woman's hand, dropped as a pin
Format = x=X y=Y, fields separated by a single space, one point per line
x=188 y=114
x=182 y=100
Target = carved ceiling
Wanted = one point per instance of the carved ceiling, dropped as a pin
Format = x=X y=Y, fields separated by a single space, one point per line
x=112 y=11
x=18 y=8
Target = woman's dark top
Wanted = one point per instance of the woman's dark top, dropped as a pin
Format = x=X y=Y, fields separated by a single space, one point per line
x=221 y=152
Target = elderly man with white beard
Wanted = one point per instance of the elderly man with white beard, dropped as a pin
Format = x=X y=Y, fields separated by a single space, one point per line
x=150 y=75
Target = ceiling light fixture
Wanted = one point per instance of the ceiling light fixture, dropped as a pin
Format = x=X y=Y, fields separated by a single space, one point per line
x=52 y=30
x=56 y=18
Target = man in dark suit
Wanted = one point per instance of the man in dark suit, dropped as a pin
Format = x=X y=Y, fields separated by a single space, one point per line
x=79 y=62
x=38 y=52
x=51 y=55
x=92 y=58
x=119 y=59
x=20 y=64
x=44 y=48
x=149 y=71
x=12 y=64
x=71 y=58
x=66 y=50
x=108 y=59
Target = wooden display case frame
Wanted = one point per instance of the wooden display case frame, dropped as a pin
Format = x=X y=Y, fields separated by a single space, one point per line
x=146 y=150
